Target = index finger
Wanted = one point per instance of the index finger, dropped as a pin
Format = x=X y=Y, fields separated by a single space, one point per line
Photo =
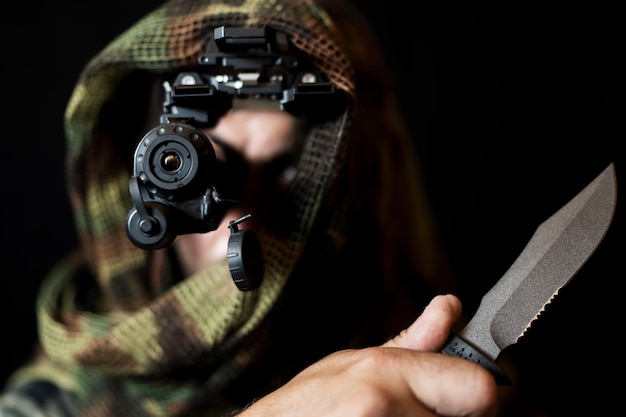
x=449 y=386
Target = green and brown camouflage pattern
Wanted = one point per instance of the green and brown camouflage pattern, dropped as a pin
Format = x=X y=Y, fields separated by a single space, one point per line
x=121 y=333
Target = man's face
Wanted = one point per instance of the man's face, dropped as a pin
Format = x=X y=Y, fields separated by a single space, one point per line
x=256 y=146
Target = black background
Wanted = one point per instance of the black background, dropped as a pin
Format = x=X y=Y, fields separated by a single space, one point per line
x=514 y=107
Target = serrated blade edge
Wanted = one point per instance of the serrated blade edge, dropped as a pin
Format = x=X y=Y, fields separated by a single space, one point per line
x=557 y=250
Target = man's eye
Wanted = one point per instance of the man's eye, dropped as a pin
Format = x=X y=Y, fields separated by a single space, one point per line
x=281 y=167
x=288 y=174
x=222 y=149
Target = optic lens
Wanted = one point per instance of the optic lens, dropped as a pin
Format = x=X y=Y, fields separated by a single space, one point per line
x=171 y=162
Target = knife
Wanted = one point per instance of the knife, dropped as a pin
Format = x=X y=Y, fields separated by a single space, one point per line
x=553 y=255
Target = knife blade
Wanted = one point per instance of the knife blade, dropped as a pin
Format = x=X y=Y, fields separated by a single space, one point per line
x=556 y=251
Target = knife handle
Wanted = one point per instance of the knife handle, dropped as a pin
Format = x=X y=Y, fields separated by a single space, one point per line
x=456 y=346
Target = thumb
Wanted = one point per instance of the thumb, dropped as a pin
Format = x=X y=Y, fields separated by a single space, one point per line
x=429 y=331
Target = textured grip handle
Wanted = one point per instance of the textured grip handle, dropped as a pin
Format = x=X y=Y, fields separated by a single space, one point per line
x=455 y=346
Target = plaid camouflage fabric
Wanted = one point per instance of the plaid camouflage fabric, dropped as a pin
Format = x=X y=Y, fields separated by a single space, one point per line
x=116 y=330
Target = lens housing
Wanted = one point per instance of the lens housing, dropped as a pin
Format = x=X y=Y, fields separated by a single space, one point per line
x=175 y=161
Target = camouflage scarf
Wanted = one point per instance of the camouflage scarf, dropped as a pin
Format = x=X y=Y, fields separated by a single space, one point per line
x=117 y=328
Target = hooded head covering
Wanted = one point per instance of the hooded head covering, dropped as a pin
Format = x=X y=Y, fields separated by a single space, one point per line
x=356 y=260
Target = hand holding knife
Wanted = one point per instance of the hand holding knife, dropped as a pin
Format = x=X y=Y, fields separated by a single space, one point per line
x=557 y=250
